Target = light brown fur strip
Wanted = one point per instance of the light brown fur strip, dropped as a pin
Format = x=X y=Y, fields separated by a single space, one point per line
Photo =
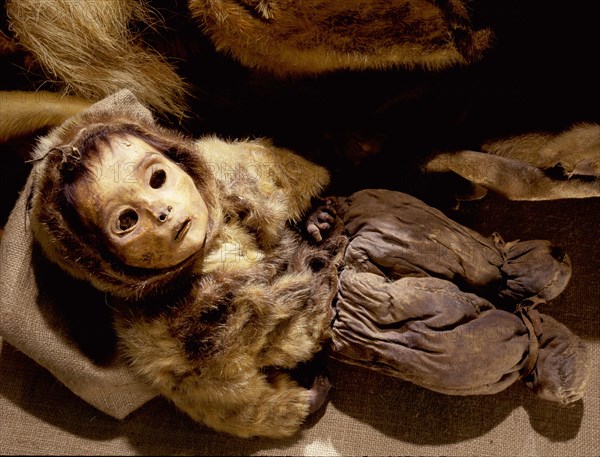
x=23 y=112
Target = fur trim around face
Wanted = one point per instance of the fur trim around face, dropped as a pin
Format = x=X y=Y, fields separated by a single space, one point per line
x=57 y=227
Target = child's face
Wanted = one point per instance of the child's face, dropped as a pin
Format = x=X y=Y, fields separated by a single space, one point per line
x=148 y=208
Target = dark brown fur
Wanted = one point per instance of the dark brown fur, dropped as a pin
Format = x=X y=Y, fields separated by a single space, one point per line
x=312 y=36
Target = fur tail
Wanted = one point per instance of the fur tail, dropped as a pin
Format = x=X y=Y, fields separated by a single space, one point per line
x=23 y=113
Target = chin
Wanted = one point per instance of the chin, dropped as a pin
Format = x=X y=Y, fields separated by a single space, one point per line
x=191 y=248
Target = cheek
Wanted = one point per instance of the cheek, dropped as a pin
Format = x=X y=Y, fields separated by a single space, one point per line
x=195 y=203
x=185 y=186
x=88 y=203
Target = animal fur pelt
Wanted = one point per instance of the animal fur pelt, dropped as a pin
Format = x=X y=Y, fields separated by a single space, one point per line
x=250 y=306
x=313 y=36
x=536 y=166
x=92 y=49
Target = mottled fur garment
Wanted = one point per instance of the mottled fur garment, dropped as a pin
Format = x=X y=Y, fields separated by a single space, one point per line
x=219 y=334
x=92 y=49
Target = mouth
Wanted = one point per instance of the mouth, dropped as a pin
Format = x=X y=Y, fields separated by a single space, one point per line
x=182 y=229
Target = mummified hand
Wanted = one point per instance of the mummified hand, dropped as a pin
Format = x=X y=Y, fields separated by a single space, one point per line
x=320 y=222
x=318 y=393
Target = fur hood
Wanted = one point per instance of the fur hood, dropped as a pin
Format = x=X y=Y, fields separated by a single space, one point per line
x=59 y=230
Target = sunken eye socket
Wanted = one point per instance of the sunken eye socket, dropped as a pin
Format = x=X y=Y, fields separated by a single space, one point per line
x=158 y=179
x=127 y=220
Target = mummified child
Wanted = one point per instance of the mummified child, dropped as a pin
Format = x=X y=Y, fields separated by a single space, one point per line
x=228 y=281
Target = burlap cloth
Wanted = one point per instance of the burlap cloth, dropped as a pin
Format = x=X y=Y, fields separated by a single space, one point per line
x=29 y=322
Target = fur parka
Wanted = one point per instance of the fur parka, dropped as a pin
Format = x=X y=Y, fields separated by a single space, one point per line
x=220 y=334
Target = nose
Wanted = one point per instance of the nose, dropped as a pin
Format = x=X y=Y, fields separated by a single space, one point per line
x=163 y=214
